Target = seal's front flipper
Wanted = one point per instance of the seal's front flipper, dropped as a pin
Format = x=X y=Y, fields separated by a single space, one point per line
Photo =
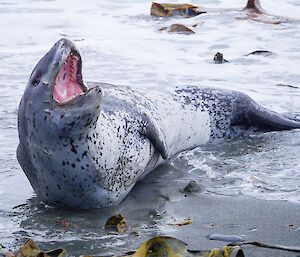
x=151 y=130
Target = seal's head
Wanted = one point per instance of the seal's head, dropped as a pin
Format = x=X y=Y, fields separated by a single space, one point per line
x=56 y=111
x=56 y=88
x=60 y=70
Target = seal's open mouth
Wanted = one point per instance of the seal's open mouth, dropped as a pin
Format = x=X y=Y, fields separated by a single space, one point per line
x=69 y=83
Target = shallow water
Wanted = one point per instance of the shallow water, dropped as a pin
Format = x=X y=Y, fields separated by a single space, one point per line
x=121 y=44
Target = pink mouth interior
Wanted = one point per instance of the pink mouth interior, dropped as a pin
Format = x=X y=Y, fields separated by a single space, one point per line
x=66 y=86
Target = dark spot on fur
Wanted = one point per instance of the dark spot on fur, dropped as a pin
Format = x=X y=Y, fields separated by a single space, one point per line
x=84 y=154
x=73 y=149
x=89 y=120
x=71 y=124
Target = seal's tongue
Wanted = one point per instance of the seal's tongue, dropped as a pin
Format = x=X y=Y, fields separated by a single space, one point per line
x=66 y=86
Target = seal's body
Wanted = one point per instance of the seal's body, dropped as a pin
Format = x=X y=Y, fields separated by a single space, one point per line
x=82 y=149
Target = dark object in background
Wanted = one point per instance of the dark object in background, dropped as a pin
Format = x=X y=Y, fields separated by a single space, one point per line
x=186 y=10
x=261 y=52
x=178 y=28
x=218 y=58
x=254 y=6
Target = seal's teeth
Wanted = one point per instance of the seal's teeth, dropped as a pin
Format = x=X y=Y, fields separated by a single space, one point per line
x=69 y=78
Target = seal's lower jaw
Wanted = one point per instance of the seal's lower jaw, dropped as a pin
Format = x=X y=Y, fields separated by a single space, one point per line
x=68 y=83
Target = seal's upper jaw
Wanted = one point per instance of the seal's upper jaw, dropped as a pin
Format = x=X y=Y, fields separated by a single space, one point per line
x=68 y=82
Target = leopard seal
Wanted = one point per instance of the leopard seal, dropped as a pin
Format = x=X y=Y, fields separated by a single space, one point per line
x=85 y=145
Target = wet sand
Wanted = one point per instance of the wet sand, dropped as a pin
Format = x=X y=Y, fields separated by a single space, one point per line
x=275 y=222
x=268 y=221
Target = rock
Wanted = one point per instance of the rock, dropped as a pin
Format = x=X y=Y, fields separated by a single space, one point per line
x=192 y=187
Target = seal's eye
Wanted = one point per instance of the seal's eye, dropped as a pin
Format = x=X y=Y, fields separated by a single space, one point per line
x=36 y=80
